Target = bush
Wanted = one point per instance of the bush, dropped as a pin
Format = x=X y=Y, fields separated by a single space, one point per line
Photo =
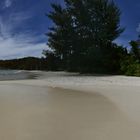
x=130 y=67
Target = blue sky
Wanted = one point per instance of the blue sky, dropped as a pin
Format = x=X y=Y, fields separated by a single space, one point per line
x=22 y=28
x=130 y=19
x=23 y=25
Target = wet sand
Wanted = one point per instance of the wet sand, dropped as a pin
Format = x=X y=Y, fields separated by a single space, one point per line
x=30 y=110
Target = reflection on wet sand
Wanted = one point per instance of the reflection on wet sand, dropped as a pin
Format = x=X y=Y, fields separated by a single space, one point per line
x=37 y=113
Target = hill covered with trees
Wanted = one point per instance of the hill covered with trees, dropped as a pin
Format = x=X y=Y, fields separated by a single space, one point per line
x=27 y=63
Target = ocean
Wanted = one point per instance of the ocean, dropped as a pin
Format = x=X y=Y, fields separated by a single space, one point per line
x=15 y=75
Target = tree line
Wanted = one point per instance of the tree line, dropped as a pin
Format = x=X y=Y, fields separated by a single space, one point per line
x=27 y=63
x=82 y=36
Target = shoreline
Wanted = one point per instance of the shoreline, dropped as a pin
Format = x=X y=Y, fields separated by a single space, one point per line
x=60 y=105
x=118 y=89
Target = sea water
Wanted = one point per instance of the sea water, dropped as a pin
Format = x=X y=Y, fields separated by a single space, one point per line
x=14 y=74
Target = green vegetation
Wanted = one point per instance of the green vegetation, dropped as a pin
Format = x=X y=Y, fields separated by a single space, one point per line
x=131 y=64
x=28 y=63
x=83 y=34
x=82 y=39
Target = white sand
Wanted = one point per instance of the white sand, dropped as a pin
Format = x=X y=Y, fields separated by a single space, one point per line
x=63 y=106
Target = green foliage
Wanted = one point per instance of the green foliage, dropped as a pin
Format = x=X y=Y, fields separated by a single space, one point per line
x=27 y=63
x=130 y=67
x=83 y=33
x=135 y=50
x=52 y=61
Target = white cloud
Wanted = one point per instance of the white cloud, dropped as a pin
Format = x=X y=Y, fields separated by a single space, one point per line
x=13 y=21
x=138 y=28
x=16 y=45
x=7 y=3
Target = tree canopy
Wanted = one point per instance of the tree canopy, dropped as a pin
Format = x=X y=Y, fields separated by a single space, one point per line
x=82 y=35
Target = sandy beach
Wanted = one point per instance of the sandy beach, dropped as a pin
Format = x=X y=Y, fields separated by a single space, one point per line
x=69 y=106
